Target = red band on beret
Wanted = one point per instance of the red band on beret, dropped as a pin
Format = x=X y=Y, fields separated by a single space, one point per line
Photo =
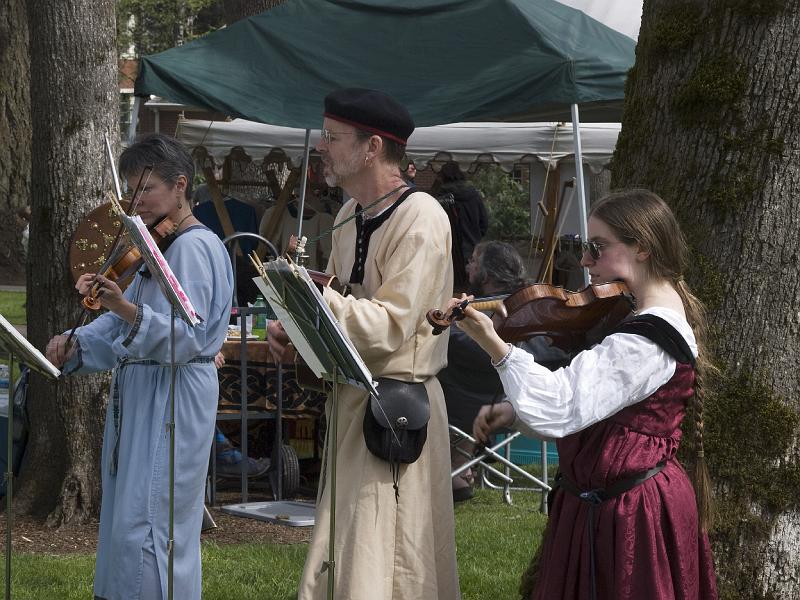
x=374 y=130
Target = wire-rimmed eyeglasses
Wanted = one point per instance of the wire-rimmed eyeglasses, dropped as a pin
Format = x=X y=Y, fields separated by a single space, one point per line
x=328 y=136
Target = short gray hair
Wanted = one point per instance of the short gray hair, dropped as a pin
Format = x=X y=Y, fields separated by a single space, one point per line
x=164 y=154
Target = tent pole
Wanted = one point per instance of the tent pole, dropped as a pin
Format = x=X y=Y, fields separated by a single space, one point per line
x=303 y=185
x=137 y=103
x=576 y=131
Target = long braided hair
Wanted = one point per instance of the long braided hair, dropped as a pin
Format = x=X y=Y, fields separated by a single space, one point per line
x=640 y=216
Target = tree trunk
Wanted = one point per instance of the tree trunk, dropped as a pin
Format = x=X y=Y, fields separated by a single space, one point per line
x=239 y=9
x=75 y=102
x=15 y=137
x=711 y=121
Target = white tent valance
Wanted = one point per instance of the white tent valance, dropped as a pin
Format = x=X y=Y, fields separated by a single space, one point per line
x=506 y=144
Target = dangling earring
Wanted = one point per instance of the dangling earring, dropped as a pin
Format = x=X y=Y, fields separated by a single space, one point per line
x=366 y=160
x=180 y=206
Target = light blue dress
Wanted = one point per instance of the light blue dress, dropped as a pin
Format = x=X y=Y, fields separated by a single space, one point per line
x=134 y=516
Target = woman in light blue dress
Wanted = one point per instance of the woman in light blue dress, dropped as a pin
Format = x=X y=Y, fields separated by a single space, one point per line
x=133 y=339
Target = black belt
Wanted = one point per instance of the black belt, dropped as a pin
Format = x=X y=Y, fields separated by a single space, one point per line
x=596 y=497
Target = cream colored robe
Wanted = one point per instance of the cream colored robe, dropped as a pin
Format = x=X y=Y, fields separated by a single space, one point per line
x=386 y=550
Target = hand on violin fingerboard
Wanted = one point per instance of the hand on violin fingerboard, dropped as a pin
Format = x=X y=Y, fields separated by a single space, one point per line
x=480 y=328
x=108 y=293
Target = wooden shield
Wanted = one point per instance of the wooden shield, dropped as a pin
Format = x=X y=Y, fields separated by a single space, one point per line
x=92 y=240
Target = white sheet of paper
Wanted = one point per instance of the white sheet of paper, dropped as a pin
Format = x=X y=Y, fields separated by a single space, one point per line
x=362 y=367
x=295 y=334
x=160 y=268
x=13 y=341
x=290 y=325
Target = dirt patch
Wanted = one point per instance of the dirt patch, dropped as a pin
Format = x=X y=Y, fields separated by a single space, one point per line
x=34 y=536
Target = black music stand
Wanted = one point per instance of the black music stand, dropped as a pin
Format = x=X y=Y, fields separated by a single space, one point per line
x=15 y=344
x=315 y=332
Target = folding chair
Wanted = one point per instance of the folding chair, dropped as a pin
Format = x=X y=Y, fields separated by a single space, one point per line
x=492 y=453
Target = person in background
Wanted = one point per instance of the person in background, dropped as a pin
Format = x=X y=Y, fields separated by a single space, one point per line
x=243 y=220
x=24 y=216
x=469 y=381
x=316 y=226
x=473 y=220
x=411 y=172
x=133 y=340
x=625 y=521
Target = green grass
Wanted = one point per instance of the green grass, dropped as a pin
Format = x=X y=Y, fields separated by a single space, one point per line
x=12 y=307
x=494 y=544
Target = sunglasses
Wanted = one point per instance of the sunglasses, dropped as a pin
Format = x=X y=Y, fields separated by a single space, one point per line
x=593 y=248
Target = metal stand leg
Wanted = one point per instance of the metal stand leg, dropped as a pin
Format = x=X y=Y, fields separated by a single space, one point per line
x=171 y=430
x=278 y=466
x=9 y=476
x=544 y=507
x=332 y=443
x=507 y=472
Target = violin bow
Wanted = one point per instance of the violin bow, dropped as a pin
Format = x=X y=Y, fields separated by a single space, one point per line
x=115 y=244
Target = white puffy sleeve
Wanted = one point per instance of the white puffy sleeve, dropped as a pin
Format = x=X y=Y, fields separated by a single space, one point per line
x=619 y=372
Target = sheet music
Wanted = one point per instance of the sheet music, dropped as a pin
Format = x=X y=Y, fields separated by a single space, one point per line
x=311 y=325
x=160 y=269
x=337 y=328
x=291 y=326
x=15 y=343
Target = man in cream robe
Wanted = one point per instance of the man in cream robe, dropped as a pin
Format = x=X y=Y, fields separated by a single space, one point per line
x=396 y=257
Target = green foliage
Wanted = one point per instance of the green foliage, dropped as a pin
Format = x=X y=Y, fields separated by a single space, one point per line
x=749 y=434
x=712 y=90
x=676 y=27
x=506 y=202
x=494 y=543
x=728 y=194
x=152 y=26
x=707 y=281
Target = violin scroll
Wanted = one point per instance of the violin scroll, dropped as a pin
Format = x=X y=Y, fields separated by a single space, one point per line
x=440 y=321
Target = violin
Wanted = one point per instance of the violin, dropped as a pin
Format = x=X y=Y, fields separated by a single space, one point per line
x=124 y=263
x=570 y=319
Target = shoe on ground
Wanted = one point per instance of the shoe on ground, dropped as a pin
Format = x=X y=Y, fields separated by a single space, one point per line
x=463 y=493
x=255 y=467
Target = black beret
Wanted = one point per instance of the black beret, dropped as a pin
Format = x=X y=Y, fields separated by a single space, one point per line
x=372 y=111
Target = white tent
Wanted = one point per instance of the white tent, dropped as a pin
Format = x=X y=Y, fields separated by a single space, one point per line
x=537 y=144
x=506 y=144
x=623 y=15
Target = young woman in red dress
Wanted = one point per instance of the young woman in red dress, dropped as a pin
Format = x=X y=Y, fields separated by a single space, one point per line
x=625 y=522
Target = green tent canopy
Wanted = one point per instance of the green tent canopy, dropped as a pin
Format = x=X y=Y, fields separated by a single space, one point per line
x=446 y=60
